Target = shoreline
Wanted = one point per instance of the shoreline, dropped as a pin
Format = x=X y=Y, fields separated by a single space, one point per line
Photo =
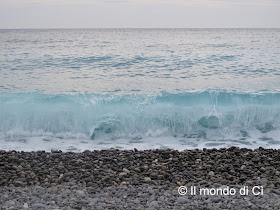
x=114 y=170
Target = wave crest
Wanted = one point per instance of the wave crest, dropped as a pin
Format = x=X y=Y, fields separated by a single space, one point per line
x=97 y=116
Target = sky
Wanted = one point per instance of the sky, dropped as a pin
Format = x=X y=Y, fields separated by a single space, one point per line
x=139 y=14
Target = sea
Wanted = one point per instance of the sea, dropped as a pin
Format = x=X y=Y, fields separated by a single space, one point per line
x=94 y=89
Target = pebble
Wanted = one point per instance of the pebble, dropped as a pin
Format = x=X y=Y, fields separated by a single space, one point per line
x=147 y=179
x=122 y=174
x=25 y=206
x=182 y=200
x=126 y=171
x=153 y=204
x=125 y=197
x=224 y=182
x=38 y=206
x=211 y=173
x=80 y=192
x=131 y=179
x=262 y=169
x=276 y=191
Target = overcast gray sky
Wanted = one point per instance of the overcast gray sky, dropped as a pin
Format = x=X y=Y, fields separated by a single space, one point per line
x=139 y=13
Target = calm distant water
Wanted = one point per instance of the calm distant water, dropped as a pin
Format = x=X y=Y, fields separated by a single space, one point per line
x=145 y=88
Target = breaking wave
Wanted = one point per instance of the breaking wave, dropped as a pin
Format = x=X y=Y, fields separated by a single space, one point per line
x=192 y=114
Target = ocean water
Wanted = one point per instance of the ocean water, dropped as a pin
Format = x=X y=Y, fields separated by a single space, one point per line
x=77 y=89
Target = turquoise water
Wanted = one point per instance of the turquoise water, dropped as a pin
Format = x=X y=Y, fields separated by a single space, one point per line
x=145 y=88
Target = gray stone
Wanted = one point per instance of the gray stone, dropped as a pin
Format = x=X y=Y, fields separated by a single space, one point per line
x=25 y=206
x=182 y=200
x=153 y=204
x=254 y=207
x=56 y=155
x=80 y=192
x=147 y=179
x=10 y=203
x=126 y=170
x=38 y=206
x=122 y=174
x=262 y=169
x=18 y=184
x=276 y=191
x=211 y=173
x=263 y=182
x=224 y=182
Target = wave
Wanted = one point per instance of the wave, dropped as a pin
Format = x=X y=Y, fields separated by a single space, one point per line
x=191 y=114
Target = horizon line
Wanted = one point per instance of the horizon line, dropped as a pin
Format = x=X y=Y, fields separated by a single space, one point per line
x=23 y=28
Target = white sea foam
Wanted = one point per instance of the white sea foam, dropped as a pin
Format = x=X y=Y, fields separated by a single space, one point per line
x=30 y=121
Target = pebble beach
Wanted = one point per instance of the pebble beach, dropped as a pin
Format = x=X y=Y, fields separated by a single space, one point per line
x=76 y=101
x=138 y=179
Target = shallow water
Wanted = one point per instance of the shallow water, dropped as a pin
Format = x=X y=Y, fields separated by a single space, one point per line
x=145 y=88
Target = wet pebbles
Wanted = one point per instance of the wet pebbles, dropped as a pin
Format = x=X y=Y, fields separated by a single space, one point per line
x=137 y=179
